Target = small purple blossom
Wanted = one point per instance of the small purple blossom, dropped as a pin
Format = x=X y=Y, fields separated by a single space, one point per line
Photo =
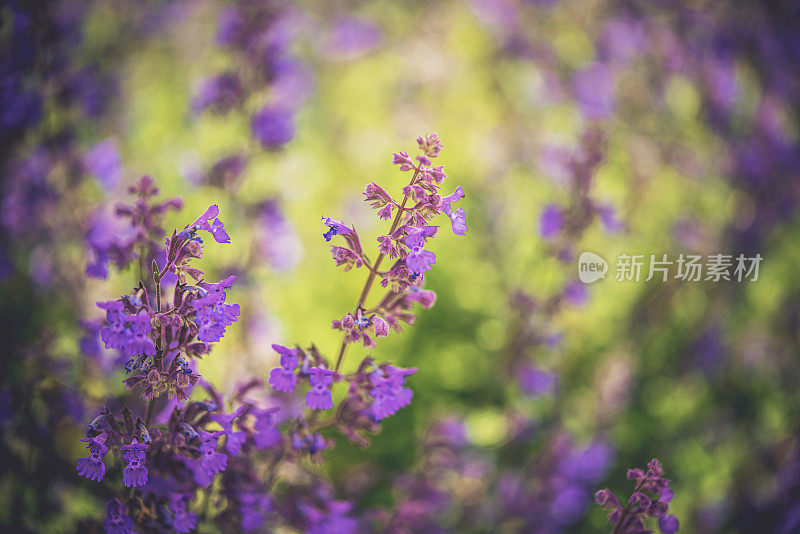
x=536 y=382
x=220 y=93
x=211 y=462
x=104 y=162
x=282 y=378
x=216 y=229
x=234 y=439
x=117 y=521
x=551 y=221
x=182 y=520
x=137 y=340
x=254 y=508
x=135 y=473
x=273 y=126
x=92 y=467
x=593 y=88
x=458 y=218
x=668 y=524
x=319 y=396
x=266 y=432
x=388 y=390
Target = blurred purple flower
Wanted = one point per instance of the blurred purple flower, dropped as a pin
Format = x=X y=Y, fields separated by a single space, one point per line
x=551 y=222
x=576 y=293
x=593 y=88
x=220 y=93
x=273 y=126
x=535 y=381
x=350 y=37
x=104 y=162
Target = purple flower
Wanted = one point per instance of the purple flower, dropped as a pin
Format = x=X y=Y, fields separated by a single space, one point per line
x=388 y=391
x=593 y=88
x=221 y=93
x=589 y=464
x=458 y=218
x=336 y=228
x=292 y=83
x=668 y=524
x=536 y=382
x=135 y=473
x=575 y=293
x=229 y=26
x=312 y=443
x=216 y=229
x=608 y=217
x=380 y=326
x=104 y=162
x=569 y=504
x=651 y=499
x=136 y=339
x=283 y=378
x=254 y=508
x=335 y=520
x=266 y=433
x=419 y=260
x=319 y=396
x=404 y=160
x=350 y=37
x=211 y=462
x=233 y=439
x=92 y=467
x=182 y=520
x=213 y=315
x=551 y=222
x=117 y=521
x=273 y=126
x=113 y=336
x=279 y=243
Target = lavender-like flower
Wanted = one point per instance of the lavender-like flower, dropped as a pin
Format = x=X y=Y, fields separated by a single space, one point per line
x=117 y=521
x=650 y=498
x=319 y=396
x=283 y=378
x=388 y=390
x=92 y=467
x=135 y=473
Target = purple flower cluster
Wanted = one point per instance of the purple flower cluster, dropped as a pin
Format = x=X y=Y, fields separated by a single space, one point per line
x=375 y=391
x=650 y=498
x=133 y=231
x=261 y=36
x=405 y=241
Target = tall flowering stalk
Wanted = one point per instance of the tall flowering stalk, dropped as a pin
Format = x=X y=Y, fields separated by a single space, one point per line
x=375 y=390
x=160 y=341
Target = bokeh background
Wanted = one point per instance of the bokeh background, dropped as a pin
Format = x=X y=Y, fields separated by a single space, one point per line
x=645 y=127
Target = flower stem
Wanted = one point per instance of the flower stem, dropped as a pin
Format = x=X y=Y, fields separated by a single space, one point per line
x=149 y=416
x=373 y=272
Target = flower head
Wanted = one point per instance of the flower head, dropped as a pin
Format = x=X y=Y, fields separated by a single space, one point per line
x=319 y=396
x=92 y=466
x=135 y=473
x=388 y=392
x=117 y=521
x=282 y=378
